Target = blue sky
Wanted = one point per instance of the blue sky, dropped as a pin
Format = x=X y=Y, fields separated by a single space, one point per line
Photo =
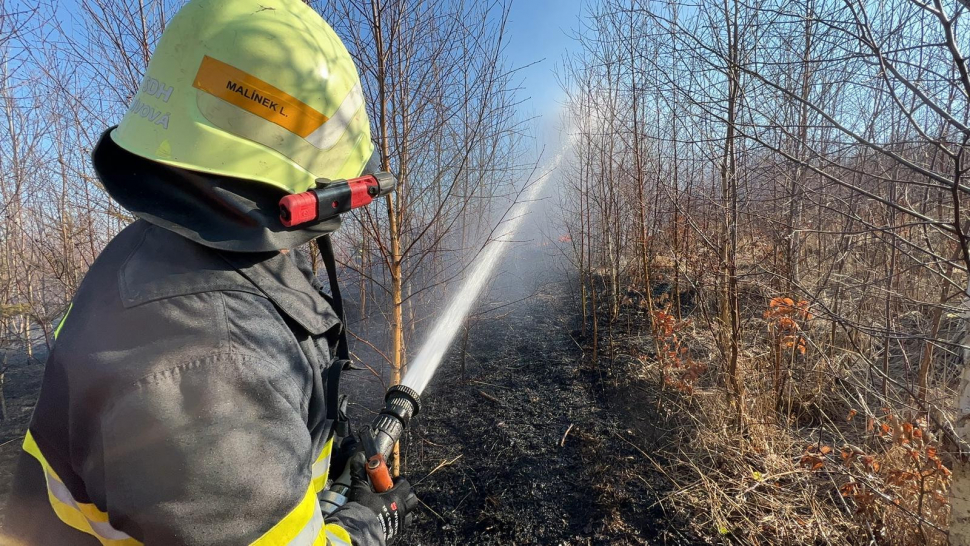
x=540 y=31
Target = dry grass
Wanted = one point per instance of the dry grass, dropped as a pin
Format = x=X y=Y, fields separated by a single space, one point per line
x=814 y=463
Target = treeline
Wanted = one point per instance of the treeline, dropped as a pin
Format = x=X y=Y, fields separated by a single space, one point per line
x=442 y=110
x=779 y=190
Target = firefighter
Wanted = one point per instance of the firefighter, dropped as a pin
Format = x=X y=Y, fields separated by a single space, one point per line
x=191 y=394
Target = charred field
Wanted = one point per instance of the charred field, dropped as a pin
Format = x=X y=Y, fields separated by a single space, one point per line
x=531 y=443
x=21 y=385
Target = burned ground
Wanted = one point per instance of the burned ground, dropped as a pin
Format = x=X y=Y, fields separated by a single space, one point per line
x=533 y=444
x=21 y=384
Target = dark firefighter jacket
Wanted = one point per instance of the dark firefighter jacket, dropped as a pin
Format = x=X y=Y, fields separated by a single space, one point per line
x=184 y=403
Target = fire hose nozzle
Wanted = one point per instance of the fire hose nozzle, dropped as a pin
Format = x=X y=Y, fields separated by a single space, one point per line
x=400 y=404
x=331 y=198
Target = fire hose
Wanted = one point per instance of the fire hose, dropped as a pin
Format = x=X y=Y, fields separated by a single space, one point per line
x=401 y=402
x=327 y=200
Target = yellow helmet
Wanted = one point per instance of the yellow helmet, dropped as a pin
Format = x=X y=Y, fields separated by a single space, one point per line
x=260 y=90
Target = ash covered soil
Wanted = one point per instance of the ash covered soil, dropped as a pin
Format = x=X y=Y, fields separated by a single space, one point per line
x=21 y=385
x=525 y=447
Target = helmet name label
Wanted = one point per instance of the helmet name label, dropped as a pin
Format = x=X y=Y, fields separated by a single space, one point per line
x=254 y=96
x=257 y=97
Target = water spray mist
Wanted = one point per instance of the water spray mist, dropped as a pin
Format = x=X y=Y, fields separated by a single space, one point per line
x=403 y=401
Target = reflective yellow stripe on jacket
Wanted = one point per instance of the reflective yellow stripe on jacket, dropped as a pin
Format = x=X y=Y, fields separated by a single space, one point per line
x=60 y=324
x=303 y=526
x=321 y=468
x=84 y=517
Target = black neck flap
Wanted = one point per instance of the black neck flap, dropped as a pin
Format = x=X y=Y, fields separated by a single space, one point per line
x=220 y=212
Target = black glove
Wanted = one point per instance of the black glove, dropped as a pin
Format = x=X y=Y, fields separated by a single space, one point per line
x=394 y=508
x=341 y=456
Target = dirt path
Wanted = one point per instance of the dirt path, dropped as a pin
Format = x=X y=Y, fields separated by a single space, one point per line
x=523 y=448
